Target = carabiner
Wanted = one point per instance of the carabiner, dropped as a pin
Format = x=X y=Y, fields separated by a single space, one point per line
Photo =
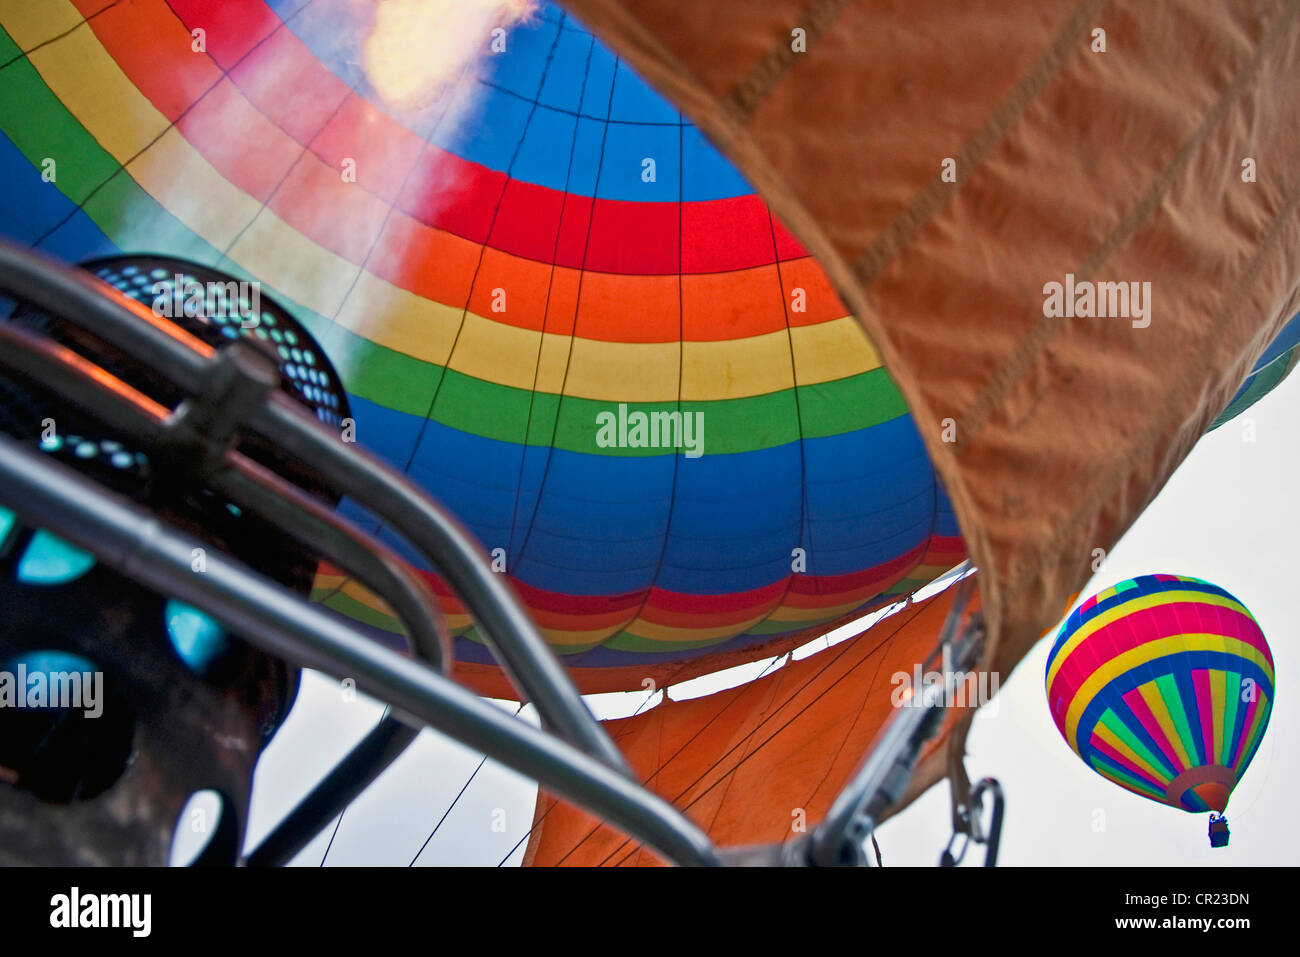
x=970 y=826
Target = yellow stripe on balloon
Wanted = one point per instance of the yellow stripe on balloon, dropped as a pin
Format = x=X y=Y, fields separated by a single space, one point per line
x=391 y=316
x=556 y=637
x=623 y=371
x=553 y=365
x=364 y=596
x=30 y=23
x=1142 y=654
x=93 y=87
x=1261 y=709
x=795 y=614
x=1090 y=627
x=1150 y=693
x=496 y=352
x=185 y=184
x=563 y=640
x=736 y=368
x=652 y=631
x=598 y=369
x=832 y=350
x=294 y=265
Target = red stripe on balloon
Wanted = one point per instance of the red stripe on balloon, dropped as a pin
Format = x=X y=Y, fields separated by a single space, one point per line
x=1152 y=624
x=233 y=27
x=311 y=106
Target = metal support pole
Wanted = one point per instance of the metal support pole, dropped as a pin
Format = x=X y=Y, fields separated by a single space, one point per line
x=882 y=778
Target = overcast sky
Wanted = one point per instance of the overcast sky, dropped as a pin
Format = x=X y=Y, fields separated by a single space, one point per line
x=1227 y=516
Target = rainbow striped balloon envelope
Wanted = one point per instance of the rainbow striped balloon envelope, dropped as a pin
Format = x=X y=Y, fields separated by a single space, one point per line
x=552 y=302
x=1164 y=685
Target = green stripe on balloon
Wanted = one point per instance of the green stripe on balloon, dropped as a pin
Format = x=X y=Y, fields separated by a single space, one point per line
x=1167 y=685
x=41 y=126
x=1232 y=684
x=8 y=49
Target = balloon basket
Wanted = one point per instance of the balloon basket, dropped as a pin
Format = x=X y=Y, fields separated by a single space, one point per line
x=1218 y=831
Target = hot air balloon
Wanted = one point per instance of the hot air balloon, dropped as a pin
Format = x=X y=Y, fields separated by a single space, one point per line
x=551 y=252
x=551 y=300
x=1164 y=685
x=1270 y=369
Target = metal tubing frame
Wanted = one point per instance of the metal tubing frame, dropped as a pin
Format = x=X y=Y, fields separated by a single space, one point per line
x=523 y=653
x=128 y=539
x=285 y=505
x=249 y=484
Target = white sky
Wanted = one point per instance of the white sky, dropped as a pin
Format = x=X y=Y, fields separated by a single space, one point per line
x=1226 y=516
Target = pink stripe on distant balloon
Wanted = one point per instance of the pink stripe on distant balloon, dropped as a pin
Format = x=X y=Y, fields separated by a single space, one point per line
x=1206 y=707
x=1142 y=711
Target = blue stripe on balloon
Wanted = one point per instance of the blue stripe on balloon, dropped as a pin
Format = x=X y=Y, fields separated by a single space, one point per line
x=29 y=206
x=1111 y=698
x=614 y=525
x=945 y=519
x=490 y=113
x=1188 y=698
x=626 y=172
x=1265 y=699
x=544 y=153
x=520 y=68
x=564 y=84
x=634 y=102
x=286 y=8
x=34 y=212
x=734 y=521
x=709 y=174
x=1285 y=340
x=870 y=497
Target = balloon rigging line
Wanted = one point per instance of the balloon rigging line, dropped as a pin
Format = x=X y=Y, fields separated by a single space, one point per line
x=731 y=771
x=452 y=805
x=528 y=833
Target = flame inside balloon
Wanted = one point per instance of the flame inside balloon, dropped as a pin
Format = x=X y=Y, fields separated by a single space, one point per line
x=417 y=47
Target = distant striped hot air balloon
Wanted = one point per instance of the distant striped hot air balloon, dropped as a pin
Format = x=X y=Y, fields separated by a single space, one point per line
x=1164 y=685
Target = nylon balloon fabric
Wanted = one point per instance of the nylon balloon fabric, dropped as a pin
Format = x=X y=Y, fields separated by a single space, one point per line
x=763 y=762
x=1164 y=685
x=552 y=302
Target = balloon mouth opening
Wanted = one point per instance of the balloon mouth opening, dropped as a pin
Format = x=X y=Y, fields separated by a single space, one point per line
x=1202 y=789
